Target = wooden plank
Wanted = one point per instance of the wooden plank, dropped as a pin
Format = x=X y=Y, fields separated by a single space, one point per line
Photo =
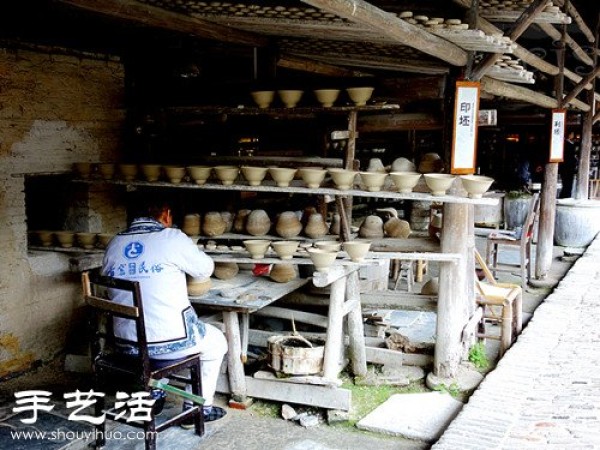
x=363 y=13
x=81 y=263
x=101 y=303
x=290 y=314
x=572 y=11
x=580 y=86
x=512 y=16
x=297 y=187
x=395 y=358
x=308 y=65
x=556 y=35
x=398 y=300
x=335 y=273
x=301 y=394
x=162 y=18
x=399 y=122
x=298 y=379
x=409 y=245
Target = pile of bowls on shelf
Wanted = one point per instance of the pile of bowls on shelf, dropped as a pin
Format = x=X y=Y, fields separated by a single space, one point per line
x=69 y=239
x=326 y=97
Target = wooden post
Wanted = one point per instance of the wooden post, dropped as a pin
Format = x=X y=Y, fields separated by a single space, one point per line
x=356 y=332
x=235 y=367
x=349 y=159
x=334 y=340
x=453 y=300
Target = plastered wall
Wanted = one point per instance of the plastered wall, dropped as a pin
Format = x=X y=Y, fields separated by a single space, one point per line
x=54 y=110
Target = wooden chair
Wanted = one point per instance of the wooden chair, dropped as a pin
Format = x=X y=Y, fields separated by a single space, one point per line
x=524 y=244
x=508 y=297
x=139 y=369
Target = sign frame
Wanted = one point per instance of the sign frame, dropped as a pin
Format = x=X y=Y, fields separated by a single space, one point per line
x=557 y=136
x=464 y=142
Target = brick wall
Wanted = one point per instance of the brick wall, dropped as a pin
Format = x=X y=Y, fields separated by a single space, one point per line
x=54 y=110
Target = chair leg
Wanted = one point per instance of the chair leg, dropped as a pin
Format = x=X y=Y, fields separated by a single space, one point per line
x=506 y=331
x=101 y=427
x=523 y=255
x=150 y=434
x=196 y=380
x=529 y=262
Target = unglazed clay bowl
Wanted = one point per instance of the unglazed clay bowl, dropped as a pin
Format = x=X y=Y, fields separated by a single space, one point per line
x=326 y=97
x=151 y=172
x=322 y=259
x=343 y=179
x=282 y=175
x=289 y=97
x=285 y=249
x=83 y=169
x=86 y=240
x=439 y=183
x=198 y=286
x=476 y=185
x=257 y=247
x=128 y=171
x=360 y=95
x=227 y=174
x=199 y=173
x=44 y=237
x=175 y=173
x=405 y=181
x=373 y=181
x=254 y=175
x=65 y=238
x=104 y=239
x=312 y=176
x=329 y=246
x=107 y=170
x=357 y=250
x=263 y=98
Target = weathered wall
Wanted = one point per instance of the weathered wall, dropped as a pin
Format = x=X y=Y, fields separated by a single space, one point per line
x=54 y=110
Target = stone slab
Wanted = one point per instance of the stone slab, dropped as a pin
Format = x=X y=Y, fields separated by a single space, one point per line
x=422 y=416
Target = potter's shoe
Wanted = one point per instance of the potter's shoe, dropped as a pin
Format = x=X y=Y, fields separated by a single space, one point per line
x=210 y=413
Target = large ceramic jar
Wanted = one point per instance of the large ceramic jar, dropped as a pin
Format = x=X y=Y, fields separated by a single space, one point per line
x=258 y=223
x=288 y=225
x=213 y=225
x=316 y=226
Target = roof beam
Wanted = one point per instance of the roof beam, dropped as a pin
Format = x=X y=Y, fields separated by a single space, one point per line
x=387 y=24
x=309 y=65
x=556 y=35
x=581 y=85
x=572 y=11
x=518 y=28
x=502 y=89
x=161 y=18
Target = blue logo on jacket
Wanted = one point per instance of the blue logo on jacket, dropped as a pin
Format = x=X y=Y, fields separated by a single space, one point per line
x=133 y=250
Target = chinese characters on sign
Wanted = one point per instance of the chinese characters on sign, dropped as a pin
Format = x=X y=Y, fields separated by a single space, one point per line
x=466 y=112
x=136 y=407
x=557 y=135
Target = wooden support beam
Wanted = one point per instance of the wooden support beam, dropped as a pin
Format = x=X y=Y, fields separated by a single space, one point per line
x=502 y=89
x=165 y=19
x=551 y=31
x=320 y=68
x=396 y=122
x=580 y=86
x=572 y=11
x=380 y=63
x=361 y=12
x=596 y=117
x=518 y=28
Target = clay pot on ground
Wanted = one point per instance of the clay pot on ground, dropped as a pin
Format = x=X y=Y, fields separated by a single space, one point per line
x=239 y=223
x=191 y=224
x=372 y=228
x=316 y=227
x=258 y=223
x=226 y=270
x=151 y=172
x=288 y=225
x=213 y=225
x=283 y=273
x=285 y=249
x=198 y=286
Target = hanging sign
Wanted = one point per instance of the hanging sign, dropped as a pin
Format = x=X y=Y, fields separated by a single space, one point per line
x=557 y=135
x=466 y=116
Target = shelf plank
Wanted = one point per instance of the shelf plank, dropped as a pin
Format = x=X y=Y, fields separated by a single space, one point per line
x=297 y=187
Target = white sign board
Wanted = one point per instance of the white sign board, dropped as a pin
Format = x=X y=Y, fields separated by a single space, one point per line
x=466 y=117
x=557 y=135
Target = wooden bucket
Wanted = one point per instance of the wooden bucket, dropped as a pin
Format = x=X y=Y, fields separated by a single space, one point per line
x=296 y=355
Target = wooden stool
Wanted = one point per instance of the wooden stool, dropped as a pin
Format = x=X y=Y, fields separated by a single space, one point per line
x=405 y=272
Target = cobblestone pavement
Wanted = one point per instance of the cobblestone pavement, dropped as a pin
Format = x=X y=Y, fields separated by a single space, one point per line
x=545 y=392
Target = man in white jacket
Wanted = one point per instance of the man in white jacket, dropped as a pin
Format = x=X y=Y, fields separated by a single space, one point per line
x=159 y=257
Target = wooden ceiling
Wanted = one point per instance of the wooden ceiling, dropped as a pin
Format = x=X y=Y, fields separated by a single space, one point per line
x=513 y=42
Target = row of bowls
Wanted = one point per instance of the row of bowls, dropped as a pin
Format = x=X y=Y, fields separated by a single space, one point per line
x=323 y=254
x=326 y=97
x=68 y=239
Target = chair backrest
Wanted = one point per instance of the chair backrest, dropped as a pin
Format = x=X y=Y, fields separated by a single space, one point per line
x=529 y=224
x=97 y=290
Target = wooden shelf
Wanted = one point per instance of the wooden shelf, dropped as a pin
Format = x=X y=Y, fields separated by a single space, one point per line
x=293 y=113
x=297 y=187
